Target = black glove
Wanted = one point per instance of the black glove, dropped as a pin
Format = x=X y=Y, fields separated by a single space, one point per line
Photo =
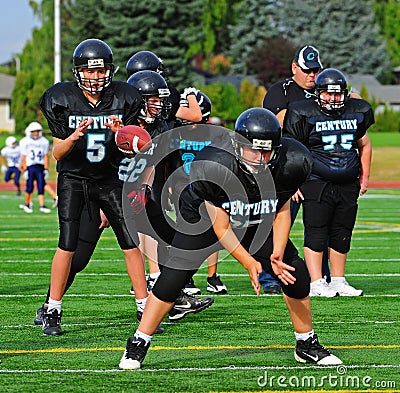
x=139 y=198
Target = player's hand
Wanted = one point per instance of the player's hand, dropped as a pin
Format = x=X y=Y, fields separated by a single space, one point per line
x=298 y=196
x=104 y=221
x=254 y=269
x=363 y=185
x=3 y=169
x=81 y=129
x=46 y=174
x=114 y=123
x=139 y=198
x=188 y=91
x=25 y=175
x=282 y=270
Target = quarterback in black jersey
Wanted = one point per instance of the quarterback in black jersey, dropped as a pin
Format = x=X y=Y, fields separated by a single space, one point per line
x=334 y=129
x=83 y=117
x=232 y=203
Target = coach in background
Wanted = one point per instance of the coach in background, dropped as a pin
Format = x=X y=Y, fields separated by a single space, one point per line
x=334 y=129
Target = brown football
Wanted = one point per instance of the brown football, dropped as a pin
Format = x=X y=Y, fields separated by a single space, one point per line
x=132 y=140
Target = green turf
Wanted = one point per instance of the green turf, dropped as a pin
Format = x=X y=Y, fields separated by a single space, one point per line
x=241 y=343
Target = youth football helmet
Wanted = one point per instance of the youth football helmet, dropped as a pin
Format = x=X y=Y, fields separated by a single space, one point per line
x=151 y=84
x=10 y=141
x=146 y=60
x=331 y=80
x=259 y=129
x=205 y=107
x=34 y=126
x=93 y=53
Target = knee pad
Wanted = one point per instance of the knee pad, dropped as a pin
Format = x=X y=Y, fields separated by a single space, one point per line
x=340 y=241
x=301 y=288
x=170 y=283
x=315 y=239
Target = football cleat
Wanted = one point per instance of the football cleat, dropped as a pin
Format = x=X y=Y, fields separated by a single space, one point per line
x=186 y=304
x=343 y=288
x=191 y=289
x=311 y=351
x=272 y=289
x=321 y=288
x=44 y=209
x=159 y=330
x=52 y=323
x=39 y=315
x=215 y=285
x=27 y=209
x=55 y=202
x=134 y=354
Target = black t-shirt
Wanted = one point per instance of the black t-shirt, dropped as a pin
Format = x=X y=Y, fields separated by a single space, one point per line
x=282 y=93
x=332 y=140
x=94 y=156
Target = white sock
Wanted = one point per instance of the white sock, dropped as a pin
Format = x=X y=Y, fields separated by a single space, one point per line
x=337 y=280
x=143 y=336
x=304 y=336
x=54 y=304
x=140 y=304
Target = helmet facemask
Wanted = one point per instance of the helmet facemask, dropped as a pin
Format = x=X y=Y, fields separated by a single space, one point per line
x=156 y=106
x=93 y=86
x=338 y=98
x=251 y=155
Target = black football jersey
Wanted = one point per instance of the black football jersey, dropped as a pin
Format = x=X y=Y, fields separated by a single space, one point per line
x=95 y=156
x=282 y=93
x=217 y=176
x=332 y=141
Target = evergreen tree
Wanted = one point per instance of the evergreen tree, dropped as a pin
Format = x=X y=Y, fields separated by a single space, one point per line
x=344 y=33
x=167 y=28
x=254 y=20
x=37 y=69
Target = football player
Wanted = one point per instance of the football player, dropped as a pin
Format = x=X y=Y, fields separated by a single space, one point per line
x=234 y=197
x=35 y=160
x=83 y=117
x=11 y=161
x=334 y=129
x=153 y=111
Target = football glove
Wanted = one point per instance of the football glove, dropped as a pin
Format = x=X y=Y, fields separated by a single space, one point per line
x=25 y=175
x=139 y=198
x=3 y=169
x=188 y=91
x=46 y=174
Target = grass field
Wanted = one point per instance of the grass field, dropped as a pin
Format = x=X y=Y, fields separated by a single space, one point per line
x=241 y=343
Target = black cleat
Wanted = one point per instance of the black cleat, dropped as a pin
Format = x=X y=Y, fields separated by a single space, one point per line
x=134 y=354
x=273 y=289
x=186 y=304
x=39 y=315
x=52 y=323
x=215 y=285
x=311 y=351
x=159 y=330
x=191 y=289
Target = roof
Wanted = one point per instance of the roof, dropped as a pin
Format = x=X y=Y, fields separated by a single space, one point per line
x=7 y=83
x=389 y=94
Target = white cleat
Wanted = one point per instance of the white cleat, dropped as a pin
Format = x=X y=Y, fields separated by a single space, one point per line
x=322 y=289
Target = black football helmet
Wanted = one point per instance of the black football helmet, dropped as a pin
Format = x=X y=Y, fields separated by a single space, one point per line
x=205 y=107
x=260 y=129
x=332 y=80
x=152 y=84
x=146 y=60
x=93 y=53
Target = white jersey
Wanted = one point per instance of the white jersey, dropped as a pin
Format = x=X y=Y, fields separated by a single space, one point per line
x=12 y=154
x=34 y=149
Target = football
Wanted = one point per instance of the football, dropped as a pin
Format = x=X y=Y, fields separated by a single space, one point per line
x=132 y=140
